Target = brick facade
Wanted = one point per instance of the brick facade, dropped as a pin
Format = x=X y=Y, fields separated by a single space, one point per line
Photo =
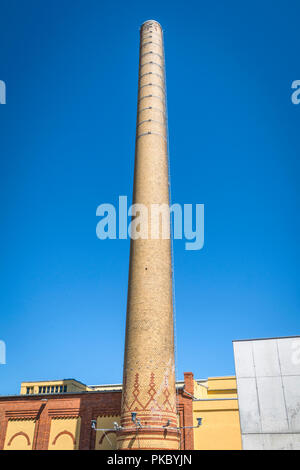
x=87 y=405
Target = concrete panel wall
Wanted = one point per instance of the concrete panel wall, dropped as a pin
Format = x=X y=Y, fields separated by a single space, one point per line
x=268 y=386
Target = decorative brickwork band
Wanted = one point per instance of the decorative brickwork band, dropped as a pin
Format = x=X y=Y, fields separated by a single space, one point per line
x=68 y=433
x=21 y=433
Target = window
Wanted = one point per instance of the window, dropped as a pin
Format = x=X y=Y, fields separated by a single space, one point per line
x=65 y=388
x=56 y=389
x=40 y=389
x=52 y=389
x=61 y=389
x=44 y=389
x=48 y=389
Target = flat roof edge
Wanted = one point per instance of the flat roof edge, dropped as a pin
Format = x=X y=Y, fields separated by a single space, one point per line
x=263 y=339
x=39 y=396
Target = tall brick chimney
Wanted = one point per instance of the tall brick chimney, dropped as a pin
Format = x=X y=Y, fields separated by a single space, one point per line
x=149 y=370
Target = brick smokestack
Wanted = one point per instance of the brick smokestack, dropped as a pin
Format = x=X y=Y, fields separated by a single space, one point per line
x=149 y=369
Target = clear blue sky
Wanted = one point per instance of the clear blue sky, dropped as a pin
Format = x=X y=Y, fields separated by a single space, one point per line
x=67 y=145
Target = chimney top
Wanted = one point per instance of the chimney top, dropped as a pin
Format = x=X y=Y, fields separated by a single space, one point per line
x=151 y=21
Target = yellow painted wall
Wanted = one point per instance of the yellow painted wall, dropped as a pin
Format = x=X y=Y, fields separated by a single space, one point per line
x=221 y=386
x=220 y=430
x=217 y=405
x=109 y=442
x=60 y=430
x=20 y=442
x=72 y=386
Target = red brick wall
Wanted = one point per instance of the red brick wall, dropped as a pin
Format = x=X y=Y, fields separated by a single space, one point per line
x=88 y=406
x=186 y=412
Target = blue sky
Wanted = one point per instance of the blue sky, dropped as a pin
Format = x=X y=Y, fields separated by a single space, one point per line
x=67 y=145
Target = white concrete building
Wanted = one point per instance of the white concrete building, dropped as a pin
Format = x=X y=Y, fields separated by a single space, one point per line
x=268 y=387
